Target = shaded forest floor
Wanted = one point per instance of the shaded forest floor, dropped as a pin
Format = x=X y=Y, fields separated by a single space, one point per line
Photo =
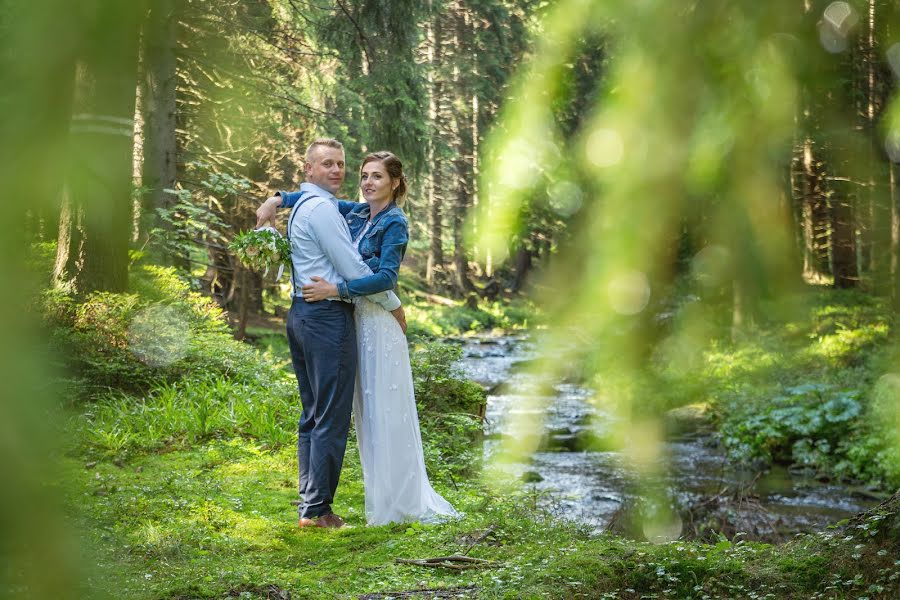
x=179 y=468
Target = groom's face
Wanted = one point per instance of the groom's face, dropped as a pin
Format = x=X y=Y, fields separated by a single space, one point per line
x=325 y=168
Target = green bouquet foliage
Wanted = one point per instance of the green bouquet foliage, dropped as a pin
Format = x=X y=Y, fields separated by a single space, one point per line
x=261 y=249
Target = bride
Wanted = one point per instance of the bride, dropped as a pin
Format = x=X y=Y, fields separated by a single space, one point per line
x=387 y=425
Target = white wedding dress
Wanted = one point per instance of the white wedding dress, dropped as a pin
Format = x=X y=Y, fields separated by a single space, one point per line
x=387 y=425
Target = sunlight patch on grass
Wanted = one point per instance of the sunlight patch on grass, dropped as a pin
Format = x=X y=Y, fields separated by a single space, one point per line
x=847 y=346
x=745 y=361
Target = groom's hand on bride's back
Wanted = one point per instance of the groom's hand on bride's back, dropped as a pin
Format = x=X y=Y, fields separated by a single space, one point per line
x=401 y=318
x=318 y=289
x=267 y=211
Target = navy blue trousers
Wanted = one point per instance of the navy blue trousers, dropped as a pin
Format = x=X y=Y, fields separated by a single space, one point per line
x=322 y=337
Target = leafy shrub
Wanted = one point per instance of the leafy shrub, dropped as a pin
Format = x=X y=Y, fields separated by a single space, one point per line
x=450 y=410
x=133 y=341
x=807 y=426
x=162 y=369
x=440 y=386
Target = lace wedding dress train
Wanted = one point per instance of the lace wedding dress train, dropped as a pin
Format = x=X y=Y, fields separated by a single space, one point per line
x=387 y=425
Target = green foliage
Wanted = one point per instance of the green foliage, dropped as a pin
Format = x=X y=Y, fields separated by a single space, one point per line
x=805 y=389
x=808 y=425
x=439 y=385
x=184 y=223
x=193 y=410
x=382 y=83
x=450 y=410
x=131 y=341
x=163 y=371
x=430 y=321
x=213 y=520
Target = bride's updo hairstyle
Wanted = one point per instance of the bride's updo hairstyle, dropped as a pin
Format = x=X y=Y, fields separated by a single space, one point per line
x=394 y=169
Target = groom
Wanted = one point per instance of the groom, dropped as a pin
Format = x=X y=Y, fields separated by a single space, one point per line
x=322 y=335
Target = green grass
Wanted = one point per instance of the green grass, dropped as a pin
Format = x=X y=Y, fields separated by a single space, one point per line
x=180 y=487
x=204 y=521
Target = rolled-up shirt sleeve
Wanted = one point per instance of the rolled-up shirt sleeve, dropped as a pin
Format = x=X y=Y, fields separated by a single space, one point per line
x=327 y=225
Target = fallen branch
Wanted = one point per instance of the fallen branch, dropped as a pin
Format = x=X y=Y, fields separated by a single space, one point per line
x=456 y=562
x=456 y=592
x=480 y=538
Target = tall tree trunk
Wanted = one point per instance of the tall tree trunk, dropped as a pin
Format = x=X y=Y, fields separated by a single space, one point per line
x=843 y=244
x=523 y=267
x=218 y=281
x=159 y=109
x=244 y=304
x=739 y=317
x=463 y=137
x=814 y=218
x=476 y=197
x=895 y=238
x=872 y=208
x=93 y=241
x=435 y=263
x=880 y=88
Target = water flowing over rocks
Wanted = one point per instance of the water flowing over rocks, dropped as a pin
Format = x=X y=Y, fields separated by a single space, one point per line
x=588 y=479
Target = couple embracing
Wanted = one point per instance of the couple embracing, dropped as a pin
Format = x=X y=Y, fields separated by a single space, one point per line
x=346 y=330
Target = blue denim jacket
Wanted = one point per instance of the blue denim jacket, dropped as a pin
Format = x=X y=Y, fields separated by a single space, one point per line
x=382 y=248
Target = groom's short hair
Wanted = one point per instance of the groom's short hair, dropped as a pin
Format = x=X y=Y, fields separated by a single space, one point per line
x=329 y=142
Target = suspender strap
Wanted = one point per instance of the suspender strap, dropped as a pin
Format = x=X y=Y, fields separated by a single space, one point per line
x=297 y=206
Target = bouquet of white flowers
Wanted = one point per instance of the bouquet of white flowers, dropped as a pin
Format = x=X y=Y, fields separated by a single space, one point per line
x=262 y=248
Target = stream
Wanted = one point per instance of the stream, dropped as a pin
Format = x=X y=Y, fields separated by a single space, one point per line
x=592 y=486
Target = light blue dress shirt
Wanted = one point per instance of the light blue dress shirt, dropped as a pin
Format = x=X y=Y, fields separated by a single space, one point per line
x=321 y=245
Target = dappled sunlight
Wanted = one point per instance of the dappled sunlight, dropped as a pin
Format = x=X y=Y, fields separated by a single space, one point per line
x=268 y=462
x=848 y=346
x=749 y=360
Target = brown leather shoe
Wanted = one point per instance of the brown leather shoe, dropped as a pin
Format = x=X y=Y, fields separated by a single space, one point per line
x=331 y=521
x=304 y=522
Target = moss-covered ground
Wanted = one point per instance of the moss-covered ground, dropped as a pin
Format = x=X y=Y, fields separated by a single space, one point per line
x=178 y=477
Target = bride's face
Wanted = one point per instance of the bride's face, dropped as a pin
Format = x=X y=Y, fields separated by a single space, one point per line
x=375 y=183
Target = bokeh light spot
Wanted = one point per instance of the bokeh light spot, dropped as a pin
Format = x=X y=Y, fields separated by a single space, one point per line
x=841 y=16
x=838 y=20
x=892 y=145
x=605 y=148
x=629 y=292
x=565 y=198
x=893 y=58
x=159 y=335
x=519 y=170
x=663 y=531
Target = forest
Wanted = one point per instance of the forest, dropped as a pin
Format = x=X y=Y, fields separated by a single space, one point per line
x=651 y=289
